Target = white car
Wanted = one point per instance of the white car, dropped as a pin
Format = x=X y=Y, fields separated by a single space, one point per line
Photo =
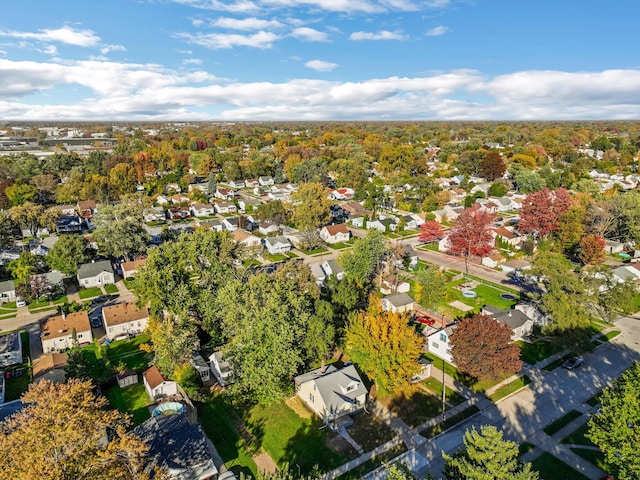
x=20 y=302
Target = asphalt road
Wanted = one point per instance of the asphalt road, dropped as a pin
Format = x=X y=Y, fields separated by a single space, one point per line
x=548 y=397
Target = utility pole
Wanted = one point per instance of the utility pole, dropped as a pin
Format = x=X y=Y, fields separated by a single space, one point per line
x=443 y=390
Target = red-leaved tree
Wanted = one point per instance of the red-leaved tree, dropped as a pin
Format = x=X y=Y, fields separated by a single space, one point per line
x=591 y=250
x=481 y=346
x=471 y=233
x=541 y=210
x=430 y=231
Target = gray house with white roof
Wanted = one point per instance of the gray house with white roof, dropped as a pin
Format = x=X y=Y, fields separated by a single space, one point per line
x=331 y=393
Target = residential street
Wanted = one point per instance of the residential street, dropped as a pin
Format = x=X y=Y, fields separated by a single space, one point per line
x=523 y=415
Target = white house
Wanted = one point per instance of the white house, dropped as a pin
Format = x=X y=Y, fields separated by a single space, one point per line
x=7 y=292
x=331 y=267
x=124 y=320
x=392 y=284
x=10 y=349
x=153 y=214
x=335 y=233
x=201 y=367
x=439 y=344
x=246 y=203
x=398 y=303
x=267 y=228
x=95 y=274
x=230 y=223
x=513 y=266
x=266 y=181
x=277 y=244
x=202 y=210
x=331 y=393
x=237 y=183
x=156 y=386
x=221 y=368
x=129 y=269
x=382 y=225
x=342 y=194
x=318 y=273
x=517 y=321
x=245 y=238
x=58 y=332
x=225 y=207
x=613 y=246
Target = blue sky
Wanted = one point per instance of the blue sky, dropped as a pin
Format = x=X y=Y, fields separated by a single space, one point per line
x=319 y=59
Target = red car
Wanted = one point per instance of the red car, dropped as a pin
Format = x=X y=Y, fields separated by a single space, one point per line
x=425 y=320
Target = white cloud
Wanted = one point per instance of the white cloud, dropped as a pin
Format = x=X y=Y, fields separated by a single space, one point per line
x=437 y=31
x=219 y=40
x=240 y=6
x=127 y=91
x=112 y=48
x=192 y=61
x=344 y=6
x=320 y=65
x=66 y=35
x=50 y=50
x=381 y=35
x=246 y=23
x=310 y=34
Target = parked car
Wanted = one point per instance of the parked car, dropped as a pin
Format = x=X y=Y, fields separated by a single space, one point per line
x=20 y=302
x=573 y=363
x=96 y=321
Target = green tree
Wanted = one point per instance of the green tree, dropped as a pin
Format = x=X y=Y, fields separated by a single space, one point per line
x=607 y=296
x=616 y=428
x=487 y=456
x=28 y=214
x=19 y=193
x=373 y=195
x=266 y=321
x=564 y=299
x=274 y=211
x=23 y=267
x=626 y=212
x=123 y=177
x=120 y=231
x=497 y=189
x=77 y=365
x=174 y=338
x=67 y=253
x=311 y=206
x=529 y=182
x=385 y=347
x=430 y=287
x=363 y=261
x=7 y=229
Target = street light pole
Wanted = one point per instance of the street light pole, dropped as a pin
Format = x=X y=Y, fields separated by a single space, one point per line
x=443 y=389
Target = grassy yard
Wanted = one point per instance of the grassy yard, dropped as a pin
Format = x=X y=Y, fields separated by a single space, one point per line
x=371 y=465
x=524 y=448
x=125 y=351
x=342 y=245
x=436 y=387
x=595 y=457
x=578 y=437
x=314 y=251
x=89 y=293
x=562 y=422
x=510 y=388
x=16 y=386
x=556 y=363
x=414 y=406
x=133 y=400
x=551 y=468
x=450 y=422
x=110 y=288
x=540 y=349
x=276 y=429
x=369 y=431
x=471 y=382
x=129 y=283
x=277 y=257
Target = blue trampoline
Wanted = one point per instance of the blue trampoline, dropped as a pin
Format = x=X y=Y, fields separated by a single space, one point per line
x=168 y=408
x=466 y=293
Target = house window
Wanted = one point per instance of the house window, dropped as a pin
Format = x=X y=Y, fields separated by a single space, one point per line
x=352 y=387
x=435 y=344
x=443 y=337
x=79 y=335
x=311 y=398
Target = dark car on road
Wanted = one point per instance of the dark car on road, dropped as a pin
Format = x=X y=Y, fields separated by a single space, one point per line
x=95 y=320
x=104 y=298
x=573 y=363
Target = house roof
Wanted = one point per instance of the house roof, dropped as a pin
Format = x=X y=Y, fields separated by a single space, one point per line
x=337 y=228
x=240 y=235
x=133 y=265
x=339 y=387
x=504 y=233
x=89 y=270
x=399 y=299
x=512 y=318
x=279 y=240
x=54 y=277
x=63 y=325
x=181 y=447
x=223 y=363
x=334 y=266
x=9 y=342
x=153 y=377
x=124 y=312
x=49 y=362
x=86 y=205
x=7 y=286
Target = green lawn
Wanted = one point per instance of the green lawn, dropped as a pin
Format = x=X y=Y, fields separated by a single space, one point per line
x=276 y=428
x=278 y=257
x=578 y=437
x=133 y=400
x=369 y=431
x=595 y=457
x=414 y=407
x=89 y=293
x=437 y=363
x=537 y=351
x=510 y=388
x=110 y=288
x=60 y=300
x=129 y=283
x=4 y=316
x=551 y=468
x=314 y=251
x=524 y=448
x=556 y=363
x=471 y=382
x=372 y=464
x=562 y=422
x=9 y=305
x=16 y=386
x=125 y=351
x=436 y=386
x=450 y=421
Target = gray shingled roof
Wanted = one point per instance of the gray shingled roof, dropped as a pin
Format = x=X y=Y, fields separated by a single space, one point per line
x=89 y=270
x=7 y=286
x=337 y=386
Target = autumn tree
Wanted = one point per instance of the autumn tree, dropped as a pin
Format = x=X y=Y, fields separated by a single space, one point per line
x=274 y=211
x=384 y=346
x=541 y=211
x=481 y=346
x=492 y=166
x=606 y=295
x=486 y=455
x=60 y=433
x=615 y=428
x=430 y=286
x=20 y=193
x=120 y=231
x=471 y=233
x=430 y=231
x=591 y=249
x=311 y=206
x=122 y=177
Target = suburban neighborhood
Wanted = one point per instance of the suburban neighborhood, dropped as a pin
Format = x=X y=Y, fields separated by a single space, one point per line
x=327 y=301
